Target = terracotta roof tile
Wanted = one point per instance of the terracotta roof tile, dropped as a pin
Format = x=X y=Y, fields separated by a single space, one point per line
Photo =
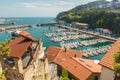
x=81 y=70
x=89 y=64
x=72 y=65
x=75 y=68
x=27 y=35
x=82 y=24
x=18 y=46
x=52 y=53
x=24 y=33
x=108 y=59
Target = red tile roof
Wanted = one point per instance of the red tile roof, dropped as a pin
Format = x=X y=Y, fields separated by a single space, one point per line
x=18 y=46
x=89 y=64
x=52 y=52
x=81 y=70
x=27 y=35
x=108 y=59
x=73 y=65
x=82 y=24
x=24 y=33
x=75 y=68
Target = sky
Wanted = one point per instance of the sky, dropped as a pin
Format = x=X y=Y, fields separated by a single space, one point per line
x=37 y=8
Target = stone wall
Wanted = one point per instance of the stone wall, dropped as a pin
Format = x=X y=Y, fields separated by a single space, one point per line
x=53 y=71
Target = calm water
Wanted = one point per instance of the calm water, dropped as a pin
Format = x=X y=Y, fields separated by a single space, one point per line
x=39 y=32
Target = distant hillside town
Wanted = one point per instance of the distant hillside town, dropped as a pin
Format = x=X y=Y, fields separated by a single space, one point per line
x=103 y=4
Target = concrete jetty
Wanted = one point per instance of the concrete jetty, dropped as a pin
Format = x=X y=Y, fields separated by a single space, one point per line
x=91 y=33
x=48 y=24
x=14 y=27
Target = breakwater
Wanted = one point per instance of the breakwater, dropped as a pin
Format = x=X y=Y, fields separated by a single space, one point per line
x=14 y=27
x=48 y=24
x=91 y=33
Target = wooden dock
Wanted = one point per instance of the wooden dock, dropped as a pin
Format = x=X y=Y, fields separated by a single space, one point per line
x=14 y=27
x=48 y=24
x=91 y=33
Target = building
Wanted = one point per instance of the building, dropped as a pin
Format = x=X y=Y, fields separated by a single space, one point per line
x=115 y=4
x=80 y=25
x=116 y=0
x=103 y=31
x=25 y=61
x=61 y=23
x=108 y=61
x=78 y=68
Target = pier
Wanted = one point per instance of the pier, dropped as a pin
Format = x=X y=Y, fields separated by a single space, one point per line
x=48 y=24
x=91 y=33
x=14 y=27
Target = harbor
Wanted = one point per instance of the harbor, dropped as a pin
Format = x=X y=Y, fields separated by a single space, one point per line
x=71 y=39
x=94 y=47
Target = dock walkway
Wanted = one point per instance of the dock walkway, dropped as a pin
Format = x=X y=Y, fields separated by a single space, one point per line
x=48 y=24
x=91 y=33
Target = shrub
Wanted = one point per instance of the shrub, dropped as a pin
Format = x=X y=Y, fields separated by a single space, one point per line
x=117 y=57
x=117 y=66
x=64 y=73
x=64 y=78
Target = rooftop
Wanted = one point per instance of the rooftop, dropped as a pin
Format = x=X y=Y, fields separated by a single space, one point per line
x=89 y=64
x=108 y=60
x=53 y=52
x=72 y=62
x=82 y=24
x=19 y=45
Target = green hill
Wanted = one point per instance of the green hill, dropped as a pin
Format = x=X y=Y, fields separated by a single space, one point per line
x=102 y=18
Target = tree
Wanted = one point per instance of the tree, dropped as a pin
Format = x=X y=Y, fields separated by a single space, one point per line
x=64 y=78
x=64 y=75
x=117 y=64
x=4 y=49
x=2 y=75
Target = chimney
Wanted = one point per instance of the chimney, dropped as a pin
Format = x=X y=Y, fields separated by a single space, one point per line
x=75 y=55
x=65 y=49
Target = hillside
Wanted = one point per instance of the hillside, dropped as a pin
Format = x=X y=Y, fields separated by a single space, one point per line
x=102 y=18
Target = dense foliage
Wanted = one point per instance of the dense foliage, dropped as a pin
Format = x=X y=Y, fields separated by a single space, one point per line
x=116 y=66
x=95 y=18
x=4 y=49
x=64 y=75
x=117 y=57
x=2 y=75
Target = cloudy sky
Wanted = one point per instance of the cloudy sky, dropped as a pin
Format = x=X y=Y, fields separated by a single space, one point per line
x=36 y=8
